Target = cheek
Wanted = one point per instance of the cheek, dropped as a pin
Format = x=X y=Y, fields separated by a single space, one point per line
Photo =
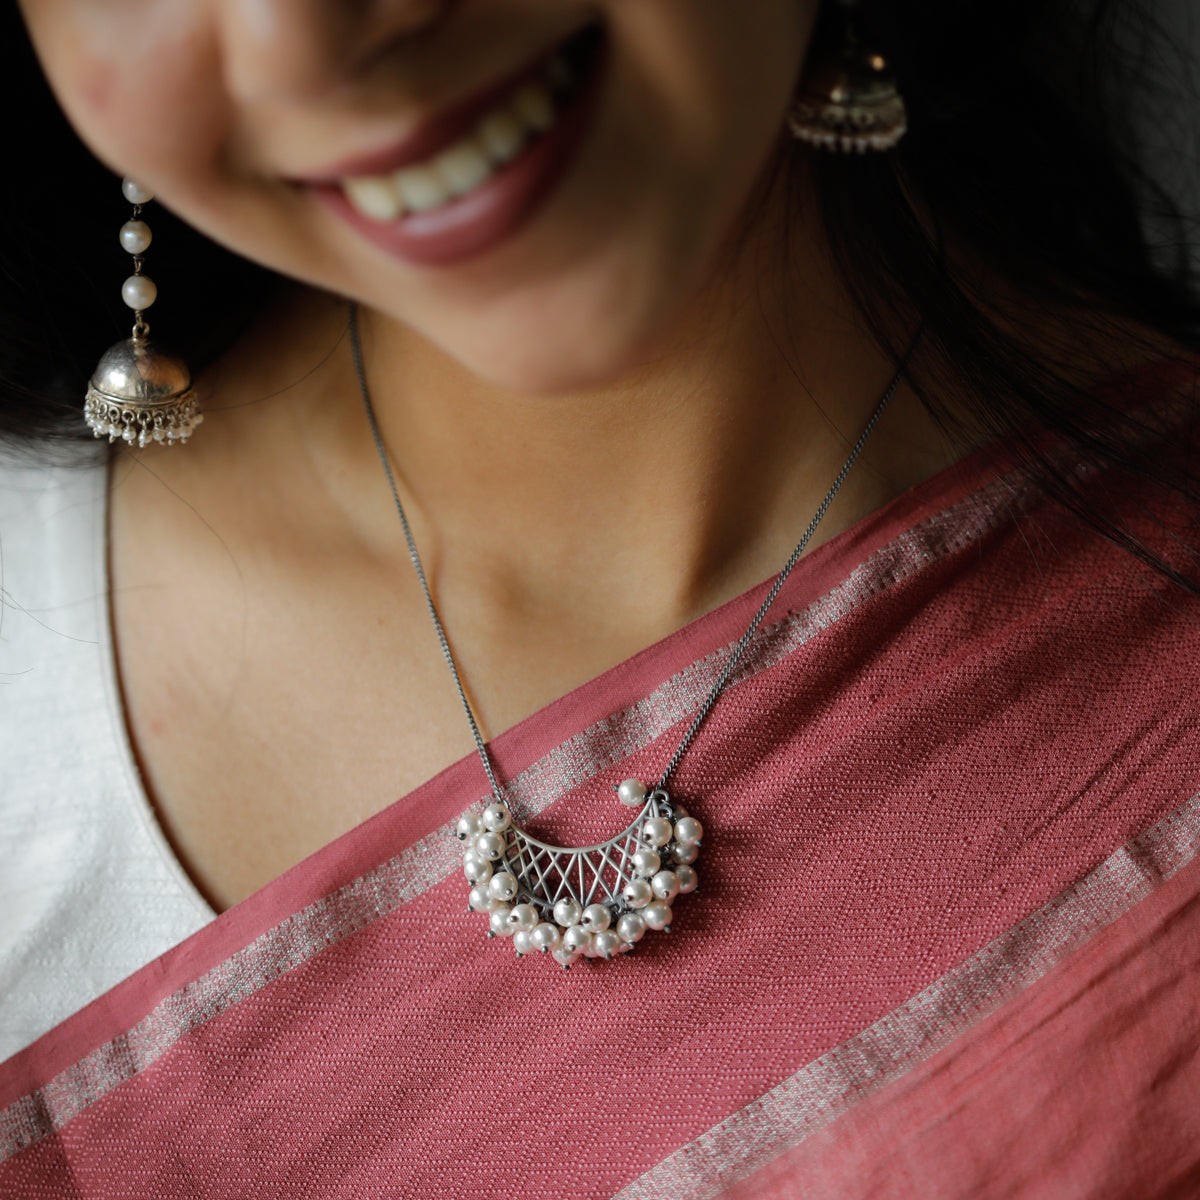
x=141 y=83
x=706 y=89
x=715 y=76
x=700 y=107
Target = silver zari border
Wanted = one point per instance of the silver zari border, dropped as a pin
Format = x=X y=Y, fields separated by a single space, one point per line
x=437 y=855
x=754 y=1136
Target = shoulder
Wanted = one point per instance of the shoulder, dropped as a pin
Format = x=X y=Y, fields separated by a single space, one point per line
x=30 y=473
x=51 y=513
x=52 y=568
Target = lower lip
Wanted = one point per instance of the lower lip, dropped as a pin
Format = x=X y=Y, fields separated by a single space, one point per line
x=478 y=222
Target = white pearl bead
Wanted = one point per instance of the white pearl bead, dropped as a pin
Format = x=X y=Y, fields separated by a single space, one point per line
x=135 y=236
x=630 y=927
x=657 y=915
x=547 y=937
x=657 y=832
x=646 y=862
x=564 y=957
x=496 y=818
x=139 y=292
x=469 y=826
x=480 y=899
x=596 y=917
x=632 y=792
x=688 y=879
x=476 y=869
x=689 y=830
x=522 y=916
x=605 y=943
x=135 y=193
x=503 y=886
x=665 y=885
x=522 y=942
x=577 y=939
x=568 y=913
x=489 y=845
x=637 y=893
x=685 y=852
x=499 y=921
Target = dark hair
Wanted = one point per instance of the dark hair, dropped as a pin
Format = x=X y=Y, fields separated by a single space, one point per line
x=1026 y=157
x=1030 y=129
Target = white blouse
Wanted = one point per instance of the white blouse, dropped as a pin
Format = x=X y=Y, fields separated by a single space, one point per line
x=90 y=890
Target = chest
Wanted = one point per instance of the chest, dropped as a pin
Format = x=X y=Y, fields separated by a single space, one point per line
x=266 y=725
x=279 y=691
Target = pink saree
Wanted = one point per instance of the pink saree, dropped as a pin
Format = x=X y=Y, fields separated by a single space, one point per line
x=946 y=941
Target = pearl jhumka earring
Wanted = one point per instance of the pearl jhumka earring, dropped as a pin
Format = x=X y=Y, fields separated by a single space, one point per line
x=852 y=106
x=139 y=394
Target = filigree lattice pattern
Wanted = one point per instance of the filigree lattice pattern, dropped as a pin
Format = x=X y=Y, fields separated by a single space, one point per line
x=586 y=874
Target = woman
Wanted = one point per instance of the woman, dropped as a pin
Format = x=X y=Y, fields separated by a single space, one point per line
x=615 y=367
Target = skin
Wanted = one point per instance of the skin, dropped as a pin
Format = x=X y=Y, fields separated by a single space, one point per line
x=615 y=421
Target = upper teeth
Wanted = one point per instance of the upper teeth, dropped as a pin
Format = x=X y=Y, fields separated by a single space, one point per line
x=497 y=139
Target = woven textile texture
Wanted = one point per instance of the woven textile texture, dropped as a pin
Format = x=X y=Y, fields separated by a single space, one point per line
x=945 y=944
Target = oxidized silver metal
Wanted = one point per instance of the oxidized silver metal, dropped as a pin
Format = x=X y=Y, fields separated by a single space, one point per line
x=140 y=394
x=581 y=901
x=856 y=110
x=586 y=874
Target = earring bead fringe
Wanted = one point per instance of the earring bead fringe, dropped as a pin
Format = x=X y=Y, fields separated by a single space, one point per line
x=855 y=106
x=860 y=110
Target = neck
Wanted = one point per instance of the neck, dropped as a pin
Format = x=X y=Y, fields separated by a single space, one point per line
x=693 y=472
x=572 y=529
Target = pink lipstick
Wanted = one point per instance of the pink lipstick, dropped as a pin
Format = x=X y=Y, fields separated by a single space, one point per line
x=469 y=177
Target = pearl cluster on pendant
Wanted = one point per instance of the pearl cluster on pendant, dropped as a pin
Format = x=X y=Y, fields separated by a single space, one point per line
x=566 y=924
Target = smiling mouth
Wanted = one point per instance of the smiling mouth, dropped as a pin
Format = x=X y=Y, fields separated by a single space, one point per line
x=495 y=139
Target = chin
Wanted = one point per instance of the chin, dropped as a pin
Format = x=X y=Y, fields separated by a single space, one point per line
x=569 y=339
x=544 y=370
x=560 y=360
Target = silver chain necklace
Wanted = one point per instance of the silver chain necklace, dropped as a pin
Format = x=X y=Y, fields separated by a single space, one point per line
x=588 y=901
